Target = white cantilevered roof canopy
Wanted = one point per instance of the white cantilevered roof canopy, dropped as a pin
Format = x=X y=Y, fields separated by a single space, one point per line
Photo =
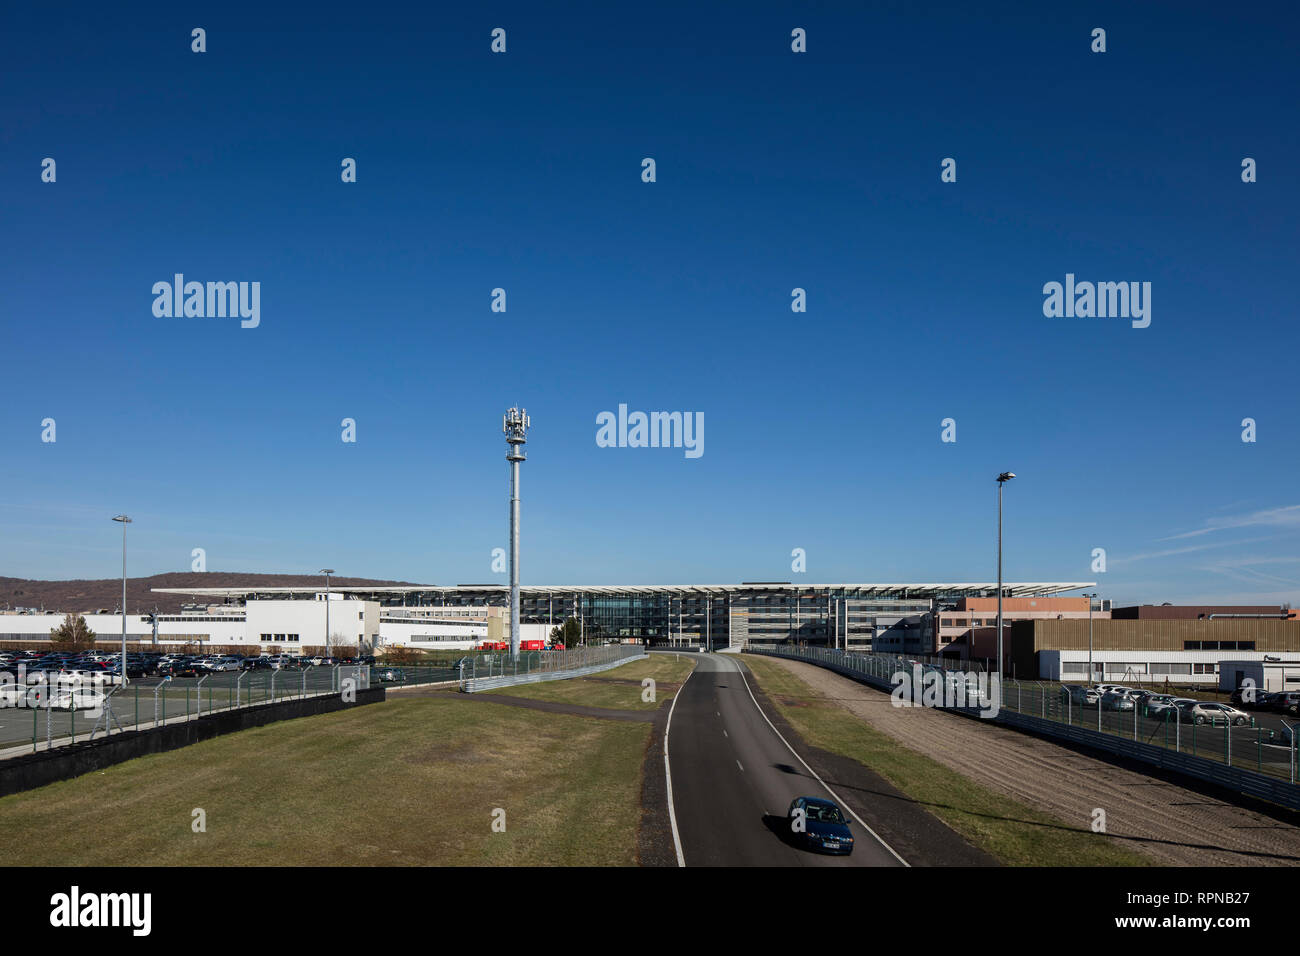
x=920 y=590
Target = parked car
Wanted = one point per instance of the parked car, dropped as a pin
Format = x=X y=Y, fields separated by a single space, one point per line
x=1258 y=698
x=1204 y=712
x=1153 y=704
x=825 y=828
x=388 y=675
x=1284 y=700
x=1079 y=695
x=255 y=664
x=1117 y=700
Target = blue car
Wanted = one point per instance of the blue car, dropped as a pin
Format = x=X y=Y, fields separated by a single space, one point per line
x=820 y=825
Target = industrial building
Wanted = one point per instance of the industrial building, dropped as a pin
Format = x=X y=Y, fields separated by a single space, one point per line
x=1046 y=630
x=854 y=616
x=1177 y=650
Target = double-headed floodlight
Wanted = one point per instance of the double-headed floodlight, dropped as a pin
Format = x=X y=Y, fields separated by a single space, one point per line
x=514 y=423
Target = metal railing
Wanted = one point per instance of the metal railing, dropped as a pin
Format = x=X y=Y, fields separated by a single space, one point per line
x=1249 y=758
x=488 y=671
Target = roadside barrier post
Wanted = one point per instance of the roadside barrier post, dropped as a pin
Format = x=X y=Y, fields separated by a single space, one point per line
x=198 y=696
x=1069 y=708
x=273 y=673
x=304 y=683
x=49 y=718
x=187 y=703
x=1135 y=720
x=72 y=713
x=137 y=705
x=1227 y=742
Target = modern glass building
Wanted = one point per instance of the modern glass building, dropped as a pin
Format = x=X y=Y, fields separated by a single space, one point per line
x=839 y=615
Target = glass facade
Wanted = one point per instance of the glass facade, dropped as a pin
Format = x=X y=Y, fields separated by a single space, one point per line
x=833 y=615
x=853 y=616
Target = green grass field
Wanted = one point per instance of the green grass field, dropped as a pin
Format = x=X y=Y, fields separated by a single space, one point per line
x=412 y=781
x=1012 y=832
x=616 y=689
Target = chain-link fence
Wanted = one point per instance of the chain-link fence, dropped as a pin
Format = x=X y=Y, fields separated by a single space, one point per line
x=1244 y=743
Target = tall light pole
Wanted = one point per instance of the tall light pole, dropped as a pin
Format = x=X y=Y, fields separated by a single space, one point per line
x=327 y=572
x=124 y=520
x=1091 y=674
x=515 y=424
x=1002 y=480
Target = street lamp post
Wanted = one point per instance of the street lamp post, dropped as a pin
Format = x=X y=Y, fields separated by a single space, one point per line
x=1091 y=674
x=124 y=521
x=327 y=572
x=1002 y=479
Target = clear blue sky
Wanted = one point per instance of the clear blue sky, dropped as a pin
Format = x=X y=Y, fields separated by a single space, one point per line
x=775 y=171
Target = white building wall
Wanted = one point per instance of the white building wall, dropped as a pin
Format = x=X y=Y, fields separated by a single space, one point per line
x=1268 y=676
x=1145 y=667
x=454 y=635
x=172 y=628
x=289 y=625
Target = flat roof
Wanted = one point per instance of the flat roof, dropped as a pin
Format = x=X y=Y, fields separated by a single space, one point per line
x=930 y=589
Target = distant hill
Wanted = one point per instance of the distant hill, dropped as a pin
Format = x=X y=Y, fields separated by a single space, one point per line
x=85 y=596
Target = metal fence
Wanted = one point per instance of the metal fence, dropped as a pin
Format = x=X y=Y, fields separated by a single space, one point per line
x=488 y=671
x=41 y=715
x=412 y=675
x=1250 y=758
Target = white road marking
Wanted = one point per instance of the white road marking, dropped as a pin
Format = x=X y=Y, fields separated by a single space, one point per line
x=724 y=732
x=835 y=795
x=738 y=764
x=668 y=775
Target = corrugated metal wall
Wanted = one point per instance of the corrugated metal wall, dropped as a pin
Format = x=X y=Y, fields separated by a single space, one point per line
x=1156 y=635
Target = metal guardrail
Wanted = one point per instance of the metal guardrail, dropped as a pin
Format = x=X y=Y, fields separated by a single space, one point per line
x=490 y=671
x=1043 y=709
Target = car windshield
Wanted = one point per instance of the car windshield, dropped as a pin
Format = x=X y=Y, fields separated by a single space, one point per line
x=824 y=814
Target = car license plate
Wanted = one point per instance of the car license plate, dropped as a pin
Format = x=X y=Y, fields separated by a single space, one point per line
x=832 y=846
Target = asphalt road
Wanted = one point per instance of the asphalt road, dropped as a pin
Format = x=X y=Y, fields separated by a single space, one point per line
x=733 y=778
